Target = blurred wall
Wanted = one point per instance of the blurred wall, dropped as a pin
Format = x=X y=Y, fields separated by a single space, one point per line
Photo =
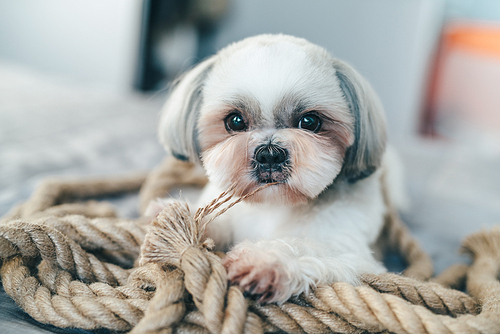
x=91 y=40
x=389 y=41
x=488 y=10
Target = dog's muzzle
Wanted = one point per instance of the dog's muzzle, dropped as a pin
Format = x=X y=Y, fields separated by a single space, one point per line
x=270 y=163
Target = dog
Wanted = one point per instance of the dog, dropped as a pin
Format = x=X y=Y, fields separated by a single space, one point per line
x=279 y=110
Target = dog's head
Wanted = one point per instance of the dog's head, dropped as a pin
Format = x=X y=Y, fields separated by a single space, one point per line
x=275 y=108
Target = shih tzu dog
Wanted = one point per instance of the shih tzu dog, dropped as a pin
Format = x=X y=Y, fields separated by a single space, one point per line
x=279 y=109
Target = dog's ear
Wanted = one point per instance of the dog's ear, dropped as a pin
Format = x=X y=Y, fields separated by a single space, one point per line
x=177 y=130
x=365 y=155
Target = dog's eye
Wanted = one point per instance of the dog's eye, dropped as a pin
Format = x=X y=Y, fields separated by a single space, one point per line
x=310 y=122
x=234 y=122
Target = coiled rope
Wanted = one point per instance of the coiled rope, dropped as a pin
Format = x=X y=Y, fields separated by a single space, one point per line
x=77 y=265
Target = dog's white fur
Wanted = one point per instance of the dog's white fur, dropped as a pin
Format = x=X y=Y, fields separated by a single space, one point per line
x=318 y=224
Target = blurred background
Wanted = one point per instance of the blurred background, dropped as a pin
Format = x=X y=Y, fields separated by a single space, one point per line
x=82 y=83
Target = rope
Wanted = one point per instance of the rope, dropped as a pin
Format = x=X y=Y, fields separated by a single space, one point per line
x=78 y=271
x=340 y=308
x=395 y=237
x=50 y=197
x=170 y=173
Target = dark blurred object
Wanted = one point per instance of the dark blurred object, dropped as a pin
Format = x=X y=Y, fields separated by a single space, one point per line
x=197 y=20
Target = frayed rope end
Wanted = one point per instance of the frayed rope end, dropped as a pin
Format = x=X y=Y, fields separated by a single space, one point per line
x=170 y=234
x=175 y=229
x=483 y=243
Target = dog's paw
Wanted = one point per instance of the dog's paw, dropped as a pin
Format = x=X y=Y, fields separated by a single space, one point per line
x=258 y=273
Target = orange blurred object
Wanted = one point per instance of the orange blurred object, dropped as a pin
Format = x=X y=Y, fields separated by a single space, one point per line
x=482 y=39
x=465 y=84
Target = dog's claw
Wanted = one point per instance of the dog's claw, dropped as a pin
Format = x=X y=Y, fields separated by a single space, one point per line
x=256 y=277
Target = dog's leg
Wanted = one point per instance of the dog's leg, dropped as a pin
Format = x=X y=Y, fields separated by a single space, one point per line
x=274 y=270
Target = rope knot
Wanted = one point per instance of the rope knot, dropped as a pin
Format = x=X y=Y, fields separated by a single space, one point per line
x=175 y=229
x=171 y=234
x=176 y=237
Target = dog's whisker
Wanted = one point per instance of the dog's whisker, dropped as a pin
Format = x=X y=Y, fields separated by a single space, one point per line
x=218 y=202
x=214 y=204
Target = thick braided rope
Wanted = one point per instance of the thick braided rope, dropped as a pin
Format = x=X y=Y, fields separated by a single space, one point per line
x=53 y=296
x=72 y=303
x=89 y=240
x=170 y=173
x=433 y=296
x=338 y=308
x=63 y=245
x=167 y=307
x=396 y=237
x=42 y=238
x=50 y=197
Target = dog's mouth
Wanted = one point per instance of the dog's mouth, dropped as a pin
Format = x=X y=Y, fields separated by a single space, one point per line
x=267 y=173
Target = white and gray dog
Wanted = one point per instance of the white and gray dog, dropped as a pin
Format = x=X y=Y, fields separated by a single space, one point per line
x=279 y=109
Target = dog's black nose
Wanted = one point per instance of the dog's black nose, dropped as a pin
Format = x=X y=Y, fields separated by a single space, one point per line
x=270 y=155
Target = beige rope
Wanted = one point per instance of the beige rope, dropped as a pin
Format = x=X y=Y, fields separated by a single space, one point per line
x=453 y=277
x=167 y=307
x=396 y=237
x=344 y=308
x=75 y=304
x=40 y=240
x=53 y=192
x=433 y=296
x=72 y=271
x=169 y=173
